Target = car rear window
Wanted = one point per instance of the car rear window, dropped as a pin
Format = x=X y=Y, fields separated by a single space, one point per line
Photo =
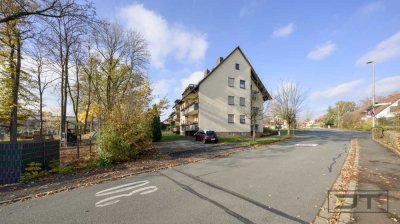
x=210 y=133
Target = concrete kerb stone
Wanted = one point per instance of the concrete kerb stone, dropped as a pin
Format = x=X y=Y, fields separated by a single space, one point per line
x=324 y=215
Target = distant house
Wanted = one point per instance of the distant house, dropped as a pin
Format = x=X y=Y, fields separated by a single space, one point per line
x=385 y=108
x=221 y=99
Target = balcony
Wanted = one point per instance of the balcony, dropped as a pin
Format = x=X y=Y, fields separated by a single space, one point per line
x=190 y=127
x=176 y=129
x=192 y=109
x=176 y=117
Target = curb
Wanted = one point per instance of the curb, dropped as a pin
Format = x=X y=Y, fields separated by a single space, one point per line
x=324 y=216
x=99 y=181
x=393 y=149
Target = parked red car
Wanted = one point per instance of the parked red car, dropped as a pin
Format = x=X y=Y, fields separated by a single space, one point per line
x=206 y=136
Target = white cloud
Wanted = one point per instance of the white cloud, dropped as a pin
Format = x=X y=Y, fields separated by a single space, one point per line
x=165 y=39
x=161 y=87
x=384 y=51
x=284 y=31
x=336 y=91
x=322 y=51
x=384 y=86
x=249 y=8
x=372 y=8
x=193 y=78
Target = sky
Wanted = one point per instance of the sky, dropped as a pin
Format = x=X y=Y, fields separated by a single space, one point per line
x=321 y=45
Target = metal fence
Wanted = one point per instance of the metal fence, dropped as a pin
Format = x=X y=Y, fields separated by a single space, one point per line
x=15 y=157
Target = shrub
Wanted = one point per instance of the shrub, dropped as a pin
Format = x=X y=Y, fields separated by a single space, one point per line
x=56 y=168
x=367 y=126
x=268 y=132
x=32 y=172
x=156 y=128
x=123 y=134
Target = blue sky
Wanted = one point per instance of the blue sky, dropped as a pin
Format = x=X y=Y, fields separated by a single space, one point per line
x=322 y=45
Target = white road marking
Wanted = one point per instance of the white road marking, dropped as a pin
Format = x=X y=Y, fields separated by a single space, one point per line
x=307 y=145
x=121 y=188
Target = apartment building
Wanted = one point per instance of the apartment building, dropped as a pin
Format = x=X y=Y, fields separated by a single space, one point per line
x=228 y=100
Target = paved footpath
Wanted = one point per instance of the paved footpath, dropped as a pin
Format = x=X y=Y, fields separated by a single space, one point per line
x=379 y=170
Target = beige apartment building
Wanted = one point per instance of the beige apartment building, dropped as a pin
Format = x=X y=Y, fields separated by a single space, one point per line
x=227 y=100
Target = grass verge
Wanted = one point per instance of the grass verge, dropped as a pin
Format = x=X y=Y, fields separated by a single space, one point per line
x=170 y=136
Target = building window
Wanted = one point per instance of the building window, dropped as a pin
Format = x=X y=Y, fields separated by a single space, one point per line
x=256 y=128
x=242 y=119
x=231 y=100
x=242 y=84
x=237 y=66
x=231 y=118
x=231 y=82
x=242 y=101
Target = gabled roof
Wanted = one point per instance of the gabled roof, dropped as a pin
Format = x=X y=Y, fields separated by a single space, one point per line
x=379 y=108
x=255 y=78
x=388 y=101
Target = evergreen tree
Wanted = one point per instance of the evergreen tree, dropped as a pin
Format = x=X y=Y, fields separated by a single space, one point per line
x=156 y=125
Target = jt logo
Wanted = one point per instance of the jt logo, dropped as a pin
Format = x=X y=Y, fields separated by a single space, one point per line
x=353 y=201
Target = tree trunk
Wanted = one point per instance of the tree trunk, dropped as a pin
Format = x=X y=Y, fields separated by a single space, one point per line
x=88 y=105
x=15 y=91
x=254 y=132
x=41 y=113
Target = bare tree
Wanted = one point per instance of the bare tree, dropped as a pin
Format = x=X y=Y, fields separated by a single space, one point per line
x=255 y=111
x=42 y=77
x=24 y=8
x=123 y=57
x=287 y=102
x=89 y=69
x=64 y=33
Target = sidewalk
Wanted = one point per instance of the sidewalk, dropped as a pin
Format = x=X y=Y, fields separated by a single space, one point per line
x=379 y=170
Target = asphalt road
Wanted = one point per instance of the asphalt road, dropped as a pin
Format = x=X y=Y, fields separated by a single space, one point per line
x=282 y=183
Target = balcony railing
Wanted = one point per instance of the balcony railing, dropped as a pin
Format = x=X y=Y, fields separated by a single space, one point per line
x=191 y=109
x=190 y=127
x=176 y=117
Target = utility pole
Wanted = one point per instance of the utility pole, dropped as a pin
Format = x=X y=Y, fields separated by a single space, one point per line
x=373 y=92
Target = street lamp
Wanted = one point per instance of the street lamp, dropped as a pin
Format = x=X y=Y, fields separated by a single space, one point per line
x=373 y=92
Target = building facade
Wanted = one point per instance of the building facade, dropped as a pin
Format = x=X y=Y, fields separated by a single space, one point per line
x=229 y=100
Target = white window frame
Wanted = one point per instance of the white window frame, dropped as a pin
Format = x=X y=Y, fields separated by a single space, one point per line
x=243 y=118
x=242 y=103
x=240 y=84
x=231 y=84
x=233 y=118
x=233 y=100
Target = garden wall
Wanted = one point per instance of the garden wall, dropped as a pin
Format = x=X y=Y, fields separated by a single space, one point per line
x=388 y=136
x=15 y=157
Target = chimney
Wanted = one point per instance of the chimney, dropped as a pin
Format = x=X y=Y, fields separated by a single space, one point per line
x=219 y=60
x=206 y=72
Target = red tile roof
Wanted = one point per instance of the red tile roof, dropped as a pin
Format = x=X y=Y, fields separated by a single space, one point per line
x=389 y=100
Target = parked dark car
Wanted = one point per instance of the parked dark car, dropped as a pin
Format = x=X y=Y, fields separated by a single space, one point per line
x=206 y=136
